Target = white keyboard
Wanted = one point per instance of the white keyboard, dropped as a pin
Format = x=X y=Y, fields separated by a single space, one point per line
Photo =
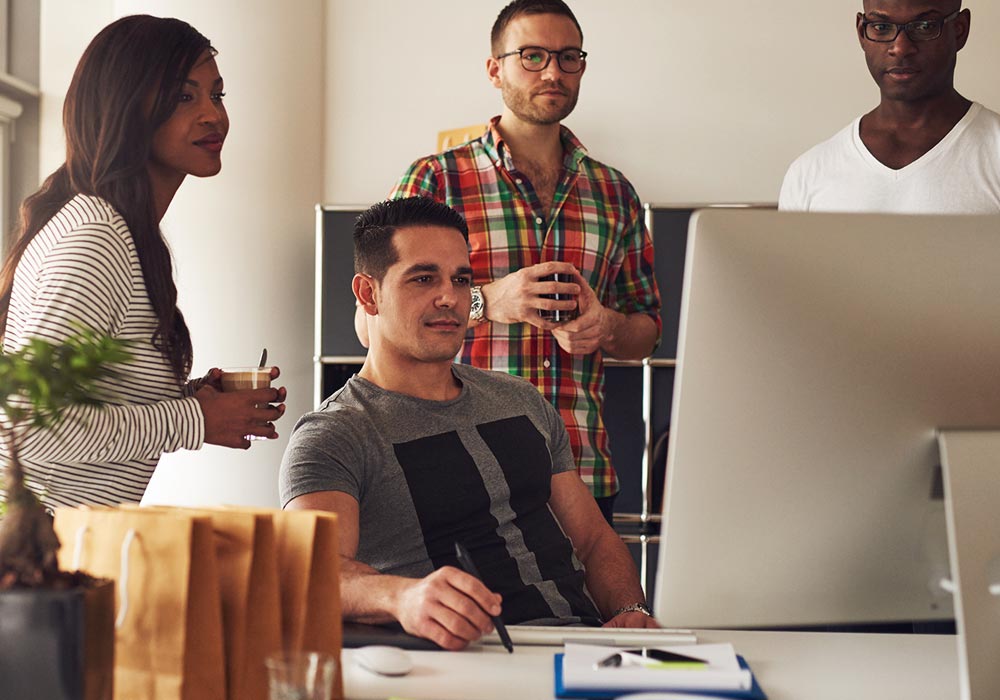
x=545 y=635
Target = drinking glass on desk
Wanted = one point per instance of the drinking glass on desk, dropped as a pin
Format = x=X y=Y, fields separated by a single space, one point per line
x=305 y=675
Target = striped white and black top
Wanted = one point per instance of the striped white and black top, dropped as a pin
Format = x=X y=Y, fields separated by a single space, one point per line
x=82 y=268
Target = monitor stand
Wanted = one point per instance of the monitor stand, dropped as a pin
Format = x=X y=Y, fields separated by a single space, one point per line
x=971 y=465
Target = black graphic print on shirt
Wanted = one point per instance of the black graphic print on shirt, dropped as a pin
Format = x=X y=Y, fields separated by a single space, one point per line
x=451 y=496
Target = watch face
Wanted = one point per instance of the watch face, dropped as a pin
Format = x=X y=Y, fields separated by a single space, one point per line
x=476 y=310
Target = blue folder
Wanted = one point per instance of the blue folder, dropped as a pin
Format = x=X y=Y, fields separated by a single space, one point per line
x=754 y=693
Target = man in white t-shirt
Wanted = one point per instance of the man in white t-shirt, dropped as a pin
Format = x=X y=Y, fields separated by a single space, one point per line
x=925 y=149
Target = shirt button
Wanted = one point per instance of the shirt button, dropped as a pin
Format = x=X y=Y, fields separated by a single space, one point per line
x=539 y=220
x=518 y=181
x=546 y=364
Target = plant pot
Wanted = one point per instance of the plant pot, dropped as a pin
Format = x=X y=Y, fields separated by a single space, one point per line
x=58 y=644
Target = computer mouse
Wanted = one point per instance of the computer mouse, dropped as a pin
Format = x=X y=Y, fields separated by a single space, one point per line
x=383 y=660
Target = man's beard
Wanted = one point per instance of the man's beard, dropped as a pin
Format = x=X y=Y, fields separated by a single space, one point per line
x=521 y=104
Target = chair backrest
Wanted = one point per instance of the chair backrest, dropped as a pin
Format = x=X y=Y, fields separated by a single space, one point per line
x=454 y=137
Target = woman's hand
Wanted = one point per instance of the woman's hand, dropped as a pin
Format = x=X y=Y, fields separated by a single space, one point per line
x=233 y=415
x=212 y=378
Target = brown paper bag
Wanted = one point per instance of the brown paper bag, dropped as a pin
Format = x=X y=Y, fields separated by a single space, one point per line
x=309 y=565
x=99 y=645
x=168 y=641
x=251 y=603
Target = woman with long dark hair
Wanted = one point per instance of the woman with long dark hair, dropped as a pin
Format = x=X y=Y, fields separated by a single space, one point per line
x=143 y=111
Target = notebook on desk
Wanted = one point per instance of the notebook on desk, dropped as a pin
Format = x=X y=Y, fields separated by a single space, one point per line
x=755 y=692
x=548 y=635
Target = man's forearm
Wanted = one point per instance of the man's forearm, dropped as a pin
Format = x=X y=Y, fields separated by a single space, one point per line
x=612 y=577
x=631 y=336
x=448 y=606
x=367 y=595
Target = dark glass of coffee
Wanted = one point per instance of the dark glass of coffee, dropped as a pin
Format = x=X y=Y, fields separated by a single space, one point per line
x=557 y=315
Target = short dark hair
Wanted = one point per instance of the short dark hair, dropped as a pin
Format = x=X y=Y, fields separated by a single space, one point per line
x=528 y=7
x=374 y=252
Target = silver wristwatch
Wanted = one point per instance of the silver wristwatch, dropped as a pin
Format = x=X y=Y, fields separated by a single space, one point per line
x=633 y=607
x=477 y=312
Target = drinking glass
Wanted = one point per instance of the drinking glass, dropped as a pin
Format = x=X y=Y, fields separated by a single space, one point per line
x=305 y=675
x=241 y=378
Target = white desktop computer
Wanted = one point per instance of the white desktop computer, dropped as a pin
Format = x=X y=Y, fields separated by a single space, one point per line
x=819 y=356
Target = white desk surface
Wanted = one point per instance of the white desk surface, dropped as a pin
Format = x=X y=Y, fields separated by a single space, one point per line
x=788 y=666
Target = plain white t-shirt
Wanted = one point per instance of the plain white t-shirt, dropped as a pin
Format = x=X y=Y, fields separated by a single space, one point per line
x=960 y=175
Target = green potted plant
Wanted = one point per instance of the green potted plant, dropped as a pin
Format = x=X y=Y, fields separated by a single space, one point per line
x=56 y=627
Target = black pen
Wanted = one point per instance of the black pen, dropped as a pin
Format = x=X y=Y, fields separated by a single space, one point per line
x=466 y=563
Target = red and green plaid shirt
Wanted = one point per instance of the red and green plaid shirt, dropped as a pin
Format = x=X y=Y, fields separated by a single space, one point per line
x=596 y=223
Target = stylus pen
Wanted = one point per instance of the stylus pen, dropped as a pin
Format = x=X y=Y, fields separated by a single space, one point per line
x=466 y=562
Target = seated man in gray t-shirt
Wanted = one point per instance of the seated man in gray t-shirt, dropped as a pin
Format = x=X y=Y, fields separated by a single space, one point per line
x=416 y=453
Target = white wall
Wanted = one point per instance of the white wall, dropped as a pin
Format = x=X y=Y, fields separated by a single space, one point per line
x=704 y=100
x=66 y=28
x=242 y=241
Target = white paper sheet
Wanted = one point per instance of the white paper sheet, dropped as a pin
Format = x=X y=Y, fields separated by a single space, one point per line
x=722 y=672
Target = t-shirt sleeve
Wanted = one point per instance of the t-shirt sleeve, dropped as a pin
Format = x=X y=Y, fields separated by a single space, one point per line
x=325 y=453
x=559 y=447
x=793 y=189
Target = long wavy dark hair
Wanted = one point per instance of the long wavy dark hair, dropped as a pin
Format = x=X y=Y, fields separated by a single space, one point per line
x=127 y=84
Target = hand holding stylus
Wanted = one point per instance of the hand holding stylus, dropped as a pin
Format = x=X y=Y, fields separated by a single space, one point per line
x=466 y=563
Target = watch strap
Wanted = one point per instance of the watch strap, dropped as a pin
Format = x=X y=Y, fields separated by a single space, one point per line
x=633 y=607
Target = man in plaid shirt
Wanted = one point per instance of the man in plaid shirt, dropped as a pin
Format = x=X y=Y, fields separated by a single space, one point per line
x=536 y=205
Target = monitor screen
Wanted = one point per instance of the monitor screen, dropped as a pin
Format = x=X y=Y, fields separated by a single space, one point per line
x=818 y=355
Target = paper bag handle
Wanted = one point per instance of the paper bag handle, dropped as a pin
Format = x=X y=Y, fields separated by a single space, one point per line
x=130 y=536
x=78 y=546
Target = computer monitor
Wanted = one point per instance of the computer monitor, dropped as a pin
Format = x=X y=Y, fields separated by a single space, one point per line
x=818 y=356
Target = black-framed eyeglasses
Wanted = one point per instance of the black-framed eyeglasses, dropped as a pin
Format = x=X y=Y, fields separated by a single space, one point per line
x=535 y=58
x=918 y=30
